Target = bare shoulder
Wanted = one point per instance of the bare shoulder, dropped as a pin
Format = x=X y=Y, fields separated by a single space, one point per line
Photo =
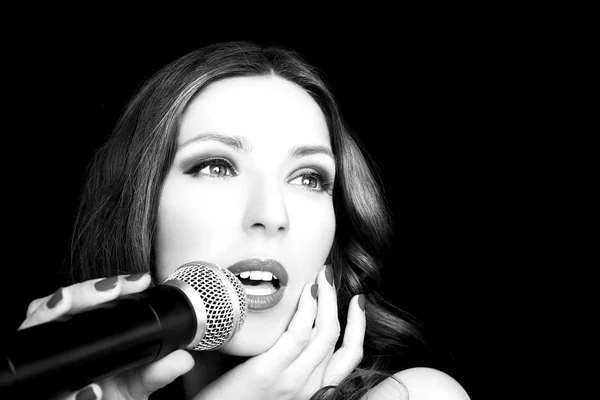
x=429 y=383
x=418 y=384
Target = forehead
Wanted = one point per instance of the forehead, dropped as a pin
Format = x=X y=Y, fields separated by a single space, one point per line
x=259 y=108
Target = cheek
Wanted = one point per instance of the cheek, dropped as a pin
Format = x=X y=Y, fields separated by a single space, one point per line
x=189 y=229
x=313 y=229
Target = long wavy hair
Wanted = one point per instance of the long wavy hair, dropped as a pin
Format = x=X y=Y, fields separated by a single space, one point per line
x=117 y=217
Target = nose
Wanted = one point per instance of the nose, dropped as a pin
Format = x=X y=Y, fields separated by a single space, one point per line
x=266 y=210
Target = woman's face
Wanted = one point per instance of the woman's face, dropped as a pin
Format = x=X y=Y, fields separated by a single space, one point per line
x=251 y=182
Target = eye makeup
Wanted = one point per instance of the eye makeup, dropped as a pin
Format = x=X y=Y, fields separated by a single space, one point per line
x=322 y=179
x=216 y=167
x=311 y=176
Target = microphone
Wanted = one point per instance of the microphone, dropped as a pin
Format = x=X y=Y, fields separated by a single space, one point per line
x=198 y=307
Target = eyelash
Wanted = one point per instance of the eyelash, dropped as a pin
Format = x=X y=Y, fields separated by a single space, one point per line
x=324 y=181
x=195 y=169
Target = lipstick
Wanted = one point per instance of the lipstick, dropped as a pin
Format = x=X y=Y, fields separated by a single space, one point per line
x=264 y=281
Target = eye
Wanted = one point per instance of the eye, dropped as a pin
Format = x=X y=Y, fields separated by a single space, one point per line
x=311 y=180
x=214 y=168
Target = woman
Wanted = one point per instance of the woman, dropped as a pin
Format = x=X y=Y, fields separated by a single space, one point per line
x=237 y=155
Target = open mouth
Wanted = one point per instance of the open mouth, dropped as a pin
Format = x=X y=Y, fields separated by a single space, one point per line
x=259 y=283
x=264 y=281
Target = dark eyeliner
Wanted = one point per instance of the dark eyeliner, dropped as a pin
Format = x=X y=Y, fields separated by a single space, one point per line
x=326 y=179
x=198 y=165
x=322 y=176
x=326 y=183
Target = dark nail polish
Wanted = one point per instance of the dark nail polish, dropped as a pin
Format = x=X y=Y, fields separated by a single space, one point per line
x=329 y=275
x=135 y=277
x=361 y=302
x=86 y=394
x=55 y=299
x=313 y=290
x=106 y=284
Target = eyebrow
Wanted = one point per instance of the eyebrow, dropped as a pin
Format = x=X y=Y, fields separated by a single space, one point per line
x=241 y=144
x=236 y=142
x=307 y=150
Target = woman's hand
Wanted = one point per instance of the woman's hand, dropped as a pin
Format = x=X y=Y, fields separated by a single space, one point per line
x=137 y=383
x=303 y=360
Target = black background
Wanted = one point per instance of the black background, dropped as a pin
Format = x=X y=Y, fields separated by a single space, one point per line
x=428 y=103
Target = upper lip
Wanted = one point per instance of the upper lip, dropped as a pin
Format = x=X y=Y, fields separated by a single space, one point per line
x=261 y=264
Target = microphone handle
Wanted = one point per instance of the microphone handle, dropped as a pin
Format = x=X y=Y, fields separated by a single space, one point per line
x=66 y=354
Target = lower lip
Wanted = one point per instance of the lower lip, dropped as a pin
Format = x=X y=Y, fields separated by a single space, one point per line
x=261 y=303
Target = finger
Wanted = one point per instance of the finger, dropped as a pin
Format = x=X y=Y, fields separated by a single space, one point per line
x=37 y=303
x=326 y=331
x=297 y=336
x=304 y=318
x=327 y=323
x=135 y=283
x=354 y=335
x=315 y=380
x=90 y=392
x=79 y=296
x=47 y=308
x=350 y=354
x=160 y=373
x=130 y=284
x=96 y=291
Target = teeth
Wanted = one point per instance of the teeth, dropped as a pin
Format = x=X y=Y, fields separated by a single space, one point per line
x=267 y=276
x=257 y=275
x=260 y=291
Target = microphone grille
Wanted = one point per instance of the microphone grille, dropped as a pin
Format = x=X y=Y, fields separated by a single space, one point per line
x=224 y=299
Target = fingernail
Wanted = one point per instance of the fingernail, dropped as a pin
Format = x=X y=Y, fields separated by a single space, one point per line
x=86 y=394
x=329 y=274
x=55 y=299
x=313 y=290
x=106 y=284
x=361 y=302
x=135 y=277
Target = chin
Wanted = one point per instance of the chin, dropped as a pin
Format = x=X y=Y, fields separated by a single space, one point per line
x=243 y=345
x=258 y=334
